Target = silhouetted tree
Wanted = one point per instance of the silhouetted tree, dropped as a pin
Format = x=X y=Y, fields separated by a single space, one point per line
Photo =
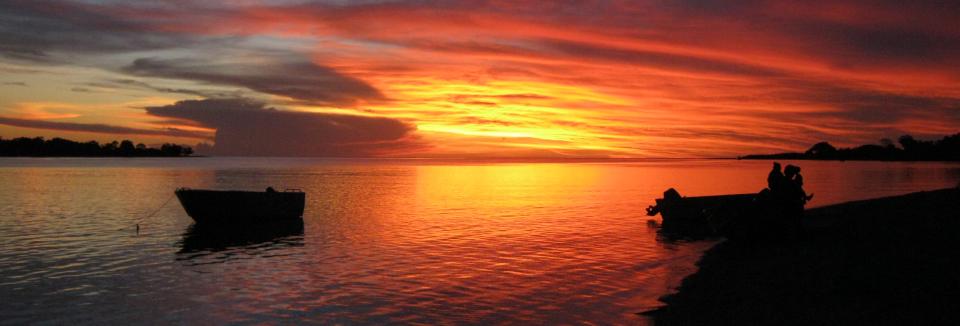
x=949 y=148
x=63 y=147
x=887 y=143
x=911 y=149
x=110 y=149
x=127 y=148
x=821 y=150
x=907 y=142
x=172 y=150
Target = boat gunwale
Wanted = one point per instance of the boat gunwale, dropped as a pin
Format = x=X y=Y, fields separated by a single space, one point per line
x=287 y=191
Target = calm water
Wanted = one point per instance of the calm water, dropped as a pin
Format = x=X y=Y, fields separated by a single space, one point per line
x=382 y=242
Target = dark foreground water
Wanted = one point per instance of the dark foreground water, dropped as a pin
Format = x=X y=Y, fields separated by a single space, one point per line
x=382 y=241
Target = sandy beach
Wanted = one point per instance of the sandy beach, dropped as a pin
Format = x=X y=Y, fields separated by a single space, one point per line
x=889 y=260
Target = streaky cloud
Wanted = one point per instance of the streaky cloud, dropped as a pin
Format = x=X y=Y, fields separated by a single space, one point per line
x=299 y=80
x=100 y=128
x=51 y=31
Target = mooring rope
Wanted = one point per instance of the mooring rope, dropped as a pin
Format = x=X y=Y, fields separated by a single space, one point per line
x=155 y=211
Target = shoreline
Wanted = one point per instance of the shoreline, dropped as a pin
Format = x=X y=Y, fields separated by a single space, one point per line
x=883 y=260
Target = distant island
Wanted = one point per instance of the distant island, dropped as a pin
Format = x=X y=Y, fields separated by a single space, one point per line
x=910 y=149
x=38 y=147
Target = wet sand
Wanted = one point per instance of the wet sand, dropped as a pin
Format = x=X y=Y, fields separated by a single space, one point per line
x=892 y=260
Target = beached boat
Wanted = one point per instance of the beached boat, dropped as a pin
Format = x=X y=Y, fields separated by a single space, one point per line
x=700 y=215
x=232 y=206
x=745 y=216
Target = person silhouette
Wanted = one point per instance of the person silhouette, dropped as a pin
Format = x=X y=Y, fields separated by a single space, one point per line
x=794 y=185
x=790 y=180
x=794 y=197
x=775 y=178
x=798 y=180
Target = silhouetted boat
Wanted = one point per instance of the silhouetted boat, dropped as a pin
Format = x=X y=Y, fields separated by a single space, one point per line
x=700 y=215
x=736 y=216
x=232 y=206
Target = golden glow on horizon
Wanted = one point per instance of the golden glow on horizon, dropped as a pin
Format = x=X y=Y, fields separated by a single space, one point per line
x=533 y=113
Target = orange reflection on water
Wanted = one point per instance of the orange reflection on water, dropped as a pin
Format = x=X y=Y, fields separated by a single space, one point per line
x=403 y=241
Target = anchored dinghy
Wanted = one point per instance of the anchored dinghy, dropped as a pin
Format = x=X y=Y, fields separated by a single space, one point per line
x=233 y=206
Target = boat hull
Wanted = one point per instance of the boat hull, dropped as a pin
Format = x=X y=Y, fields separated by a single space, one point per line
x=217 y=207
x=737 y=216
x=702 y=215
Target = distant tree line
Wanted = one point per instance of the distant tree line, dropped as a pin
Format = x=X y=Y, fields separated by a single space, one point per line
x=62 y=147
x=910 y=149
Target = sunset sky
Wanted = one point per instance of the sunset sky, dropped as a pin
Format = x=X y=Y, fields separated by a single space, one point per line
x=481 y=78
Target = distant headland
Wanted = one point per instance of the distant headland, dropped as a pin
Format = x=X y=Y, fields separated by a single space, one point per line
x=38 y=147
x=910 y=149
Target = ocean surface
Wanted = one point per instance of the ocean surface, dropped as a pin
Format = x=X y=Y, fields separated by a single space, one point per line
x=383 y=241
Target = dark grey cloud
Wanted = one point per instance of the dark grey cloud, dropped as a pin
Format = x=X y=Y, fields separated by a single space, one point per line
x=68 y=32
x=879 y=107
x=37 y=30
x=299 y=80
x=850 y=46
x=857 y=105
x=872 y=34
x=140 y=85
x=100 y=128
x=247 y=128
